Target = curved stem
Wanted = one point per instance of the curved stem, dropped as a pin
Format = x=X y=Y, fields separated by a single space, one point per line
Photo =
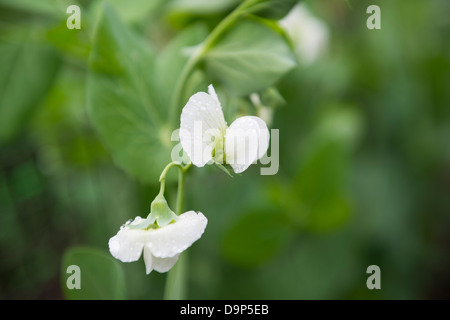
x=162 y=177
x=178 y=92
x=198 y=55
x=167 y=168
x=163 y=186
x=225 y=23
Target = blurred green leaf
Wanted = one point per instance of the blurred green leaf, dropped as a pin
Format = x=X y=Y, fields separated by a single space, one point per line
x=251 y=56
x=273 y=9
x=54 y=8
x=255 y=238
x=182 y=13
x=27 y=69
x=172 y=59
x=32 y=187
x=315 y=267
x=321 y=186
x=101 y=275
x=61 y=127
x=75 y=43
x=122 y=99
x=272 y=98
x=129 y=11
x=200 y=6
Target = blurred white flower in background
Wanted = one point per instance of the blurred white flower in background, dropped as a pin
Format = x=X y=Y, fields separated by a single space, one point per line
x=264 y=112
x=309 y=34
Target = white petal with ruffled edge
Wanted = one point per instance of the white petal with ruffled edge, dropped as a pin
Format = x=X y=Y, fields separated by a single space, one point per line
x=158 y=264
x=202 y=123
x=128 y=243
x=176 y=237
x=161 y=246
x=246 y=140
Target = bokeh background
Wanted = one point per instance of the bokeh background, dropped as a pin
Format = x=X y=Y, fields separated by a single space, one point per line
x=364 y=174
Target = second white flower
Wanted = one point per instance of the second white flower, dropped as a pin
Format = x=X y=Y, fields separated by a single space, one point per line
x=205 y=136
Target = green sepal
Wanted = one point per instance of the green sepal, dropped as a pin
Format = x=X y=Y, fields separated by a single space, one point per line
x=224 y=169
x=160 y=213
x=143 y=225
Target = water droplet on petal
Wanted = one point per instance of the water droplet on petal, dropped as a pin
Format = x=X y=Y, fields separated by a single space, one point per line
x=126 y=223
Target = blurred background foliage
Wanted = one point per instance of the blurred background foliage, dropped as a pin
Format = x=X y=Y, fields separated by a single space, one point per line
x=364 y=174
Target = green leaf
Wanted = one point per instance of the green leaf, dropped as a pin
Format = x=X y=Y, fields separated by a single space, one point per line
x=273 y=9
x=251 y=56
x=27 y=70
x=272 y=98
x=181 y=13
x=129 y=11
x=55 y=8
x=321 y=186
x=101 y=276
x=72 y=43
x=122 y=100
x=172 y=59
x=200 y=6
x=255 y=238
x=320 y=189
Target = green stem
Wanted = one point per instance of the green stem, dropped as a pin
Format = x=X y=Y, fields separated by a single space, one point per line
x=180 y=193
x=198 y=55
x=175 y=288
x=226 y=23
x=162 y=177
x=176 y=280
x=178 y=93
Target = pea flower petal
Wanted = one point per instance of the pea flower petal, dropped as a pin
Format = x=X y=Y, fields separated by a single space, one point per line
x=128 y=243
x=161 y=246
x=246 y=140
x=158 y=264
x=201 y=119
x=205 y=136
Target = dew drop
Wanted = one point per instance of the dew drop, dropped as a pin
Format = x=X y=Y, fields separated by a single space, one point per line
x=126 y=223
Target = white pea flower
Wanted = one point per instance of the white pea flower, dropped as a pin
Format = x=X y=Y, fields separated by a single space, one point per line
x=162 y=245
x=308 y=33
x=206 y=138
x=162 y=236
